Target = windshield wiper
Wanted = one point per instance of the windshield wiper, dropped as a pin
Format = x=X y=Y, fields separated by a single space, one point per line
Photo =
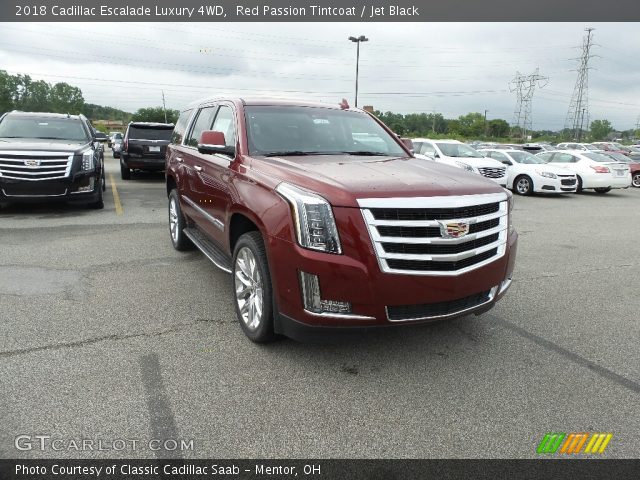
x=365 y=153
x=289 y=153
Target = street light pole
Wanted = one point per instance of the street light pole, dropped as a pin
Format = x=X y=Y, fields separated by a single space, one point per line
x=357 y=40
x=485 y=122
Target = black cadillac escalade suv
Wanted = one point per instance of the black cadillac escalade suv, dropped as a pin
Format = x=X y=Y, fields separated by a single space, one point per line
x=145 y=146
x=49 y=156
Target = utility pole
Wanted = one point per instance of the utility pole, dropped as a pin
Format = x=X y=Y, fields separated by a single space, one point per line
x=485 y=122
x=164 y=108
x=433 y=128
x=579 y=106
x=358 y=40
x=525 y=87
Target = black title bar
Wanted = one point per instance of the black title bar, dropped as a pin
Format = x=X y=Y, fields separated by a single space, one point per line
x=317 y=11
x=319 y=469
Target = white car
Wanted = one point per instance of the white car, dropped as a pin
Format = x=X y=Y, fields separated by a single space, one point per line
x=585 y=147
x=461 y=155
x=592 y=169
x=527 y=173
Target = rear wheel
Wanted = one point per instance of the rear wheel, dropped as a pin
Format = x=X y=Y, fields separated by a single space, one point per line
x=252 y=287
x=602 y=190
x=523 y=185
x=125 y=172
x=177 y=224
x=635 y=180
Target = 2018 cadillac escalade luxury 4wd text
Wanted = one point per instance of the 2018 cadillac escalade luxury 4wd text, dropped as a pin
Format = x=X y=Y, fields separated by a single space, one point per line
x=327 y=222
x=50 y=156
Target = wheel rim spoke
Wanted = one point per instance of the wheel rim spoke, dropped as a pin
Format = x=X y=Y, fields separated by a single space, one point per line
x=248 y=287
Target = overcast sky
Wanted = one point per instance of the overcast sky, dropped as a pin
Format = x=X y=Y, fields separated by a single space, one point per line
x=452 y=68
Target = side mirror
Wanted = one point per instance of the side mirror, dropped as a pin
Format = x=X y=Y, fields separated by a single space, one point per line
x=212 y=142
x=507 y=162
x=435 y=155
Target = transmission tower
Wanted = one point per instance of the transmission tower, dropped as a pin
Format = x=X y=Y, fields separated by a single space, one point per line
x=578 y=114
x=525 y=87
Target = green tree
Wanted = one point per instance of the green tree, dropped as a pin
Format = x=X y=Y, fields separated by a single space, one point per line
x=498 y=128
x=7 y=90
x=600 y=129
x=63 y=98
x=154 y=114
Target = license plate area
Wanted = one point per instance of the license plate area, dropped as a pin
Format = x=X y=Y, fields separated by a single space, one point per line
x=154 y=149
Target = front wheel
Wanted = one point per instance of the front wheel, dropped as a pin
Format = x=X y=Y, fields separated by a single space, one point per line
x=523 y=185
x=99 y=203
x=602 y=190
x=635 y=180
x=579 y=185
x=252 y=287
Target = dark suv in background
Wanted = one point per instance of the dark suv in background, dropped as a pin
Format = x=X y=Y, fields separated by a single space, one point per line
x=145 y=145
x=50 y=156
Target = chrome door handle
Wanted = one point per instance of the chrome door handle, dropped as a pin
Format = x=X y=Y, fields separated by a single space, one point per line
x=198 y=168
x=179 y=159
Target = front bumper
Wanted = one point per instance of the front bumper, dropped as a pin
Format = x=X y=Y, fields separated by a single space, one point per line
x=357 y=279
x=82 y=187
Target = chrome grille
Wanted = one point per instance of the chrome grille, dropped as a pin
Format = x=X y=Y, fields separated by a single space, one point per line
x=407 y=233
x=493 y=172
x=35 y=166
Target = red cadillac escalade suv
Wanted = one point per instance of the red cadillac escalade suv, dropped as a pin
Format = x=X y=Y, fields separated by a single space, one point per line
x=328 y=223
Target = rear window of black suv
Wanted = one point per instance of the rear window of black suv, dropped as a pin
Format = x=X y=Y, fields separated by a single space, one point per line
x=150 y=133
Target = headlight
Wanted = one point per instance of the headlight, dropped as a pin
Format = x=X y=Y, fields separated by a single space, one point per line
x=87 y=160
x=313 y=219
x=465 y=166
x=547 y=174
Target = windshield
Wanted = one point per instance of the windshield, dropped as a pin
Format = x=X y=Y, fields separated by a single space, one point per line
x=598 y=157
x=459 y=150
x=526 y=157
x=43 y=128
x=590 y=147
x=140 y=133
x=292 y=130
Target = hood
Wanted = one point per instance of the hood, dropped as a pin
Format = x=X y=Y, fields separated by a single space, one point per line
x=34 y=144
x=342 y=179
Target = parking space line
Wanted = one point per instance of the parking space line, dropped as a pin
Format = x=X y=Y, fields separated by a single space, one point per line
x=116 y=196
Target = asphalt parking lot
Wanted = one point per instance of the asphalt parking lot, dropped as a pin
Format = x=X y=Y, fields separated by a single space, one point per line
x=108 y=333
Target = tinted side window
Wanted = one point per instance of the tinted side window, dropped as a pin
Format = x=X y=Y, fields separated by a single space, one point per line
x=427 y=149
x=202 y=123
x=181 y=126
x=546 y=157
x=224 y=123
x=499 y=156
x=563 y=158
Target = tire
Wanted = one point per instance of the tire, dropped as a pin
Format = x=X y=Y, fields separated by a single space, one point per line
x=99 y=203
x=602 y=190
x=523 y=185
x=125 y=172
x=635 y=180
x=252 y=288
x=177 y=223
x=579 y=184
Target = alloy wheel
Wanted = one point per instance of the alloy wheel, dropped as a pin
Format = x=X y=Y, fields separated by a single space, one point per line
x=173 y=220
x=249 y=288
